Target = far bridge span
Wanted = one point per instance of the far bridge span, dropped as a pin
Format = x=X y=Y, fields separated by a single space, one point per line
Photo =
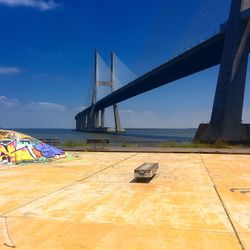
x=229 y=48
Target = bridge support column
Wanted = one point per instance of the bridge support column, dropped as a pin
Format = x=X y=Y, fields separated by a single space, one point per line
x=118 y=127
x=93 y=121
x=89 y=122
x=97 y=120
x=117 y=119
x=81 y=122
x=226 y=116
x=85 y=120
x=94 y=118
x=78 y=124
x=97 y=123
x=102 y=118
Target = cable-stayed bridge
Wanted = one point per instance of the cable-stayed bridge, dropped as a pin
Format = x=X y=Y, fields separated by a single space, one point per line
x=229 y=48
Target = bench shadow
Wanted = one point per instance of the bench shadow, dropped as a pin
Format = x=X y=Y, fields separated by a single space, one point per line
x=142 y=180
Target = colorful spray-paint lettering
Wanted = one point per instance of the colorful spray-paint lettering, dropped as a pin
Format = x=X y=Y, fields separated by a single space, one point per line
x=16 y=147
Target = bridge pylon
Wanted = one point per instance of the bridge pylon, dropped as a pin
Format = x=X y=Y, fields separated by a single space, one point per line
x=93 y=120
x=225 y=123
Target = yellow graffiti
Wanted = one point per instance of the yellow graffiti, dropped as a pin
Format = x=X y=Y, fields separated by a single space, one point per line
x=16 y=147
x=9 y=153
x=23 y=154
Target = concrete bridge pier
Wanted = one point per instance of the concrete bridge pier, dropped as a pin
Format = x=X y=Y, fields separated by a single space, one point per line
x=78 y=124
x=118 y=127
x=102 y=118
x=95 y=119
x=81 y=123
x=226 y=116
x=84 y=121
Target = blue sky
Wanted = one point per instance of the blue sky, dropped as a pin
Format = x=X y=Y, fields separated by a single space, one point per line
x=46 y=62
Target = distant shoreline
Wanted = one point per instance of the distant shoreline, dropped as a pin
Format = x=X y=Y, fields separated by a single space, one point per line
x=3 y=128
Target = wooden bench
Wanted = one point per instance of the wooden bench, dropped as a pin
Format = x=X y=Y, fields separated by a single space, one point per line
x=146 y=170
x=98 y=141
x=51 y=141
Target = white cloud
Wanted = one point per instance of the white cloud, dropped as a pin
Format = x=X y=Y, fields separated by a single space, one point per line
x=8 y=103
x=125 y=111
x=48 y=77
x=9 y=70
x=46 y=106
x=38 y=4
x=16 y=114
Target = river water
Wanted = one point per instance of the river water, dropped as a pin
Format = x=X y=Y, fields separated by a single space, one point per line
x=135 y=136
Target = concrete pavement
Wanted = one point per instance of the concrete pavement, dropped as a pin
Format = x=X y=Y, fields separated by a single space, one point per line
x=196 y=201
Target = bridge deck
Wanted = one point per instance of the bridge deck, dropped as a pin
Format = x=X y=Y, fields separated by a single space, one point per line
x=201 y=57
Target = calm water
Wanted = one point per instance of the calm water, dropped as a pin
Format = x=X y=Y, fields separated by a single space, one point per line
x=144 y=136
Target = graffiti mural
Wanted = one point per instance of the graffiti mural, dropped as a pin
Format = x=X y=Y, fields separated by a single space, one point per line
x=16 y=147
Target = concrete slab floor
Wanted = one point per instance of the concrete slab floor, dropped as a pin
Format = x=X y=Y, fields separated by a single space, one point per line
x=195 y=201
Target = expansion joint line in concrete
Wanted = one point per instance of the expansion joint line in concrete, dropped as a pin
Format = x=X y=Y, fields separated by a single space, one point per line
x=66 y=186
x=6 y=235
x=222 y=203
x=3 y=218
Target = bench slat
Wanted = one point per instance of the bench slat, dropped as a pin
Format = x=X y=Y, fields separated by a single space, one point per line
x=51 y=141
x=98 y=141
x=107 y=141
